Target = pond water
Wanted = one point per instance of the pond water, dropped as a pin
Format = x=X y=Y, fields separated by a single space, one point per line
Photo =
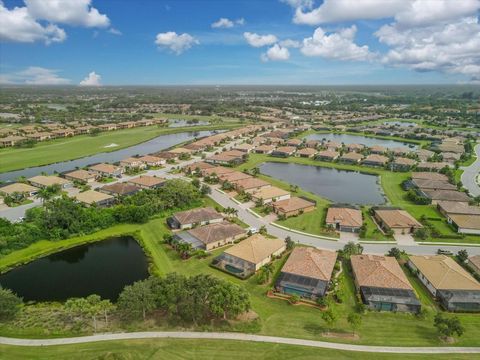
x=156 y=144
x=103 y=268
x=339 y=186
x=174 y=123
x=400 y=123
x=359 y=139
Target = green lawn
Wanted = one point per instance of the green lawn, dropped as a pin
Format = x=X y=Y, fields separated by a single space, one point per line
x=83 y=145
x=176 y=349
x=372 y=233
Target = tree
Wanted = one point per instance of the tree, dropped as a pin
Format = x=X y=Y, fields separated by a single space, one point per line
x=263 y=230
x=265 y=274
x=9 y=304
x=448 y=326
x=94 y=132
x=330 y=317
x=93 y=308
x=355 y=320
x=352 y=248
x=106 y=307
x=290 y=243
x=136 y=299
x=462 y=256
x=205 y=190
x=395 y=252
x=196 y=183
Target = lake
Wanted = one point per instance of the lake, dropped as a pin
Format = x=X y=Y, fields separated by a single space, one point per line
x=156 y=144
x=174 y=123
x=339 y=186
x=103 y=268
x=359 y=139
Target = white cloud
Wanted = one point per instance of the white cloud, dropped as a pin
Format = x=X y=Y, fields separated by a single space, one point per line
x=346 y=10
x=92 y=79
x=256 y=40
x=338 y=45
x=175 y=42
x=114 y=31
x=223 y=23
x=308 y=4
x=34 y=75
x=19 y=26
x=276 y=53
x=71 y=12
x=289 y=43
x=227 y=23
x=451 y=48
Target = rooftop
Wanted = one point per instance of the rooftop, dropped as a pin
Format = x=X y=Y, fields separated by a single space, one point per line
x=216 y=232
x=256 y=248
x=344 y=216
x=397 y=218
x=311 y=262
x=197 y=215
x=292 y=204
x=91 y=197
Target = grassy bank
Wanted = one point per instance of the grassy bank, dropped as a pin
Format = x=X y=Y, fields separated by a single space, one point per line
x=197 y=349
x=49 y=152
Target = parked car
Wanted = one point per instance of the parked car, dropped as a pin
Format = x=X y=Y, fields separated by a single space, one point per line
x=444 y=252
x=252 y=230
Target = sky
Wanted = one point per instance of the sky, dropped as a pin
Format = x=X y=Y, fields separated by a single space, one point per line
x=246 y=42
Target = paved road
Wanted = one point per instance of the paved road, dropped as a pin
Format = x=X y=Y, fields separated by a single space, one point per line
x=470 y=174
x=15 y=213
x=239 y=337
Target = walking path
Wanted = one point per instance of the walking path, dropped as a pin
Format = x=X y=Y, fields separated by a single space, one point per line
x=470 y=173
x=239 y=337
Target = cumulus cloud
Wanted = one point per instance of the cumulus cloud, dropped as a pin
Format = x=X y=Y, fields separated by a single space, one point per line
x=19 y=26
x=289 y=43
x=71 y=12
x=175 y=42
x=337 y=45
x=227 y=23
x=256 y=40
x=34 y=75
x=92 y=79
x=276 y=53
x=114 y=31
x=451 y=48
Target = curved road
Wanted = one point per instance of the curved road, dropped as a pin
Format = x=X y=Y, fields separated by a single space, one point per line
x=238 y=337
x=470 y=174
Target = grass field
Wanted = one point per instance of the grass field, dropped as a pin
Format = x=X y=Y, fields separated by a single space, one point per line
x=84 y=145
x=391 y=184
x=198 y=350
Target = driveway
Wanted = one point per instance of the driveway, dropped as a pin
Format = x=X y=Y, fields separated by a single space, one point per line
x=240 y=337
x=404 y=239
x=470 y=173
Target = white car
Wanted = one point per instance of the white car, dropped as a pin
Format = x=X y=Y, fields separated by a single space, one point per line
x=253 y=230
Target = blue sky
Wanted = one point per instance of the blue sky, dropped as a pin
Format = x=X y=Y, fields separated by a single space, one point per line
x=223 y=55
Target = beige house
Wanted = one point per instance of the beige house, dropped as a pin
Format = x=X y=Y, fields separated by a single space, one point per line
x=250 y=184
x=92 y=197
x=292 y=206
x=270 y=194
x=399 y=221
x=42 y=181
x=132 y=163
x=147 y=182
x=150 y=160
x=344 y=219
x=81 y=175
x=195 y=217
x=18 y=188
x=10 y=141
x=447 y=281
x=106 y=170
x=248 y=256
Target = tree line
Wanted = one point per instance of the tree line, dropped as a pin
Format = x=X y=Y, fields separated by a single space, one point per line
x=62 y=217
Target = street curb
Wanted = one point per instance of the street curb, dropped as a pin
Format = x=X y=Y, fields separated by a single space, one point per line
x=254 y=213
x=446 y=243
x=303 y=233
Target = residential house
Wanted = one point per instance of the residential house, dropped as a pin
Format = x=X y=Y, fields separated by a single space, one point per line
x=107 y=127
x=132 y=163
x=80 y=175
x=264 y=149
x=445 y=195
x=427 y=184
x=217 y=170
x=403 y=164
x=293 y=206
x=432 y=166
x=147 y=182
x=20 y=188
x=12 y=140
x=342 y=218
x=327 y=155
x=39 y=136
x=313 y=144
x=245 y=148
x=198 y=167
x=106 y=170
x=92 y=197
x=355 y=147
x=211 y=236
x=465 y=223
x=377 y=149
x=447 y=281
x=43 y=181
x=62 y=133
x=152 y=161
x=126 y=125
x=249 y=255
x=333 y=146
x=474 y=263
x=119 y=189
x=284 y=151
x=429 y=176
x=382 y=284
x=351 y=158
x=307 y=272
x=250 y=184
x=400 y=151
x=306 y=152
x=224 y=159
x=424 y=154
x=375 y=160
x=167 y=155
x=294 y=142
x=270 y=194
x=234 y=176
x=396 y=220
x=448 y=208
x=190 y=218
